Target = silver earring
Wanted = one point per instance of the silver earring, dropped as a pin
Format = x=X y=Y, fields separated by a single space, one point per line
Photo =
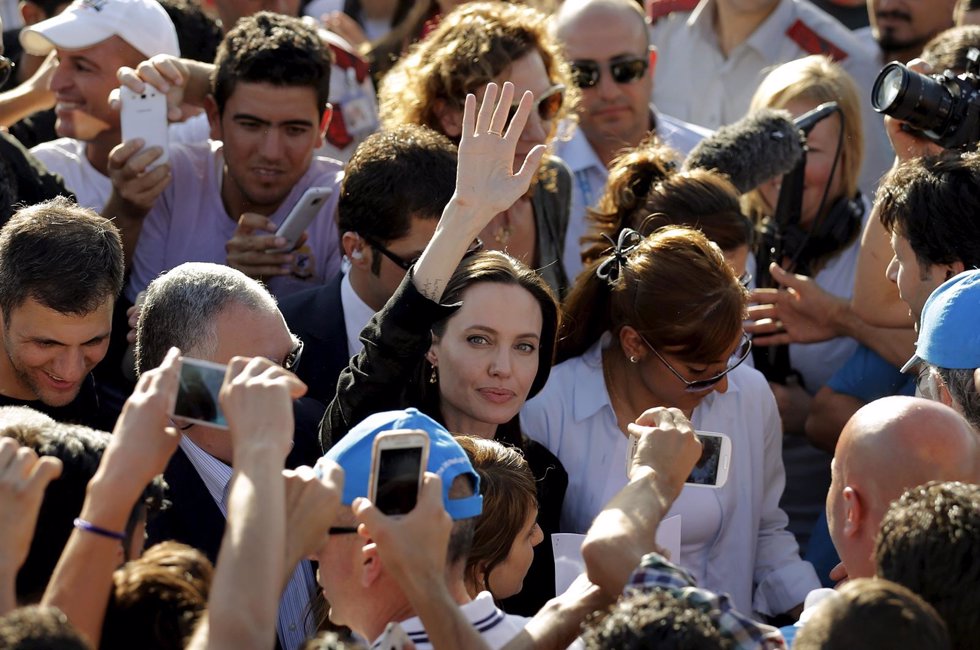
x=634 y=359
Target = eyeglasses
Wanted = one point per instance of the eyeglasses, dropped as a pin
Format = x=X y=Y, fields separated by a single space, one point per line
x=701 y=385
x=6 y=67
x=291 y=362
x=548 y=105
x=400 y=261
x=624 y=70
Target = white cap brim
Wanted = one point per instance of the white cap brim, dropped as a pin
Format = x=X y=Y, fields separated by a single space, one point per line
x=66 y=31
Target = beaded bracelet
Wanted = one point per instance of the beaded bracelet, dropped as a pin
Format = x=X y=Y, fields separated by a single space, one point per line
x=89 y=527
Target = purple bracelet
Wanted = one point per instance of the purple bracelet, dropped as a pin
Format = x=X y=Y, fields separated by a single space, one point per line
x=89 y=527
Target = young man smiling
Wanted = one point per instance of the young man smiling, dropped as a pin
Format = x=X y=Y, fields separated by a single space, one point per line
x=61 y=269
x=223 y=200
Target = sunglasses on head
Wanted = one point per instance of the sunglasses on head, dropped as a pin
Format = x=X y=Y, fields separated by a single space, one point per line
x=548 y=104
x=6 y=67
x=624 y=70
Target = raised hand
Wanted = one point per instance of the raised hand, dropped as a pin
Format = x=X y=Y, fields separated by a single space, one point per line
x=257 y=400
x=485 y=177
x=312 y=501
x=249 y=249
x=667 y=445
x=166 y=73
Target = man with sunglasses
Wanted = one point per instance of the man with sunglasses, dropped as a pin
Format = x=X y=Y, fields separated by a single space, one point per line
x=608 y=46
x=213 y=312
x=393 y=193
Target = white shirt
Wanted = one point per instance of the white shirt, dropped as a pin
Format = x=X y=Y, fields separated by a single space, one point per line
x=696 y=82
x=589 y=175
x=494 y=625
x=66 y=156
x=357 y=314
x=746 y=551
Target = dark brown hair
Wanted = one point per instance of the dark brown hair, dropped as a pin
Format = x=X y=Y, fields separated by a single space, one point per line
x=675 y=288
x=509 y=496
x=157 y=599
x=646 y=192
x=500 y=268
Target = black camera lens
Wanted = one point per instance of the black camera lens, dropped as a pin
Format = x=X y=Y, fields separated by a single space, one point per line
x=922 y=101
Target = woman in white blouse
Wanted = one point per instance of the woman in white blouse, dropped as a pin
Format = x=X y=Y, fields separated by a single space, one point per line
x=658 y=322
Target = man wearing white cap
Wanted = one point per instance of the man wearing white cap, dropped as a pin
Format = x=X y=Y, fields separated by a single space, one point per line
x=93 y=39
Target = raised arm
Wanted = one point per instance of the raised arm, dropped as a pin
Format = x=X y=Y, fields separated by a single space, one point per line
x=397 y=338
x=141 y=445
x=626 y=528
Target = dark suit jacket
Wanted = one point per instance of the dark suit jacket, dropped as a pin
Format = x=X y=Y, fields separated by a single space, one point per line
x=317 y=317
x=193 y=517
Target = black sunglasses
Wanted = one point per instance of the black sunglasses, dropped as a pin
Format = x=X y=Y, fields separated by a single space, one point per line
x=624 y=70
x=548 y=104
x=400 y=261
x=6 y=67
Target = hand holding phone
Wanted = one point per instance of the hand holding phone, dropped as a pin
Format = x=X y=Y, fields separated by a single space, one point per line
x=398 y=462
x=196 y=400
x=144 y=115
x=711 y=469
x=301 y=216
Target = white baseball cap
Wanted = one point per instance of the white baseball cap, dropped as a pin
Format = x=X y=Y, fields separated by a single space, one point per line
x=142 y=23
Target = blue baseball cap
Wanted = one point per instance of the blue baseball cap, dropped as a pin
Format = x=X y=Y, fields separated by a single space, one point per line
x=446 y=458
x=949 y=331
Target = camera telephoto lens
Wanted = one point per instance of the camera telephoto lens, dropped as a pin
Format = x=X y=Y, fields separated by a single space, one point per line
x=918 y=99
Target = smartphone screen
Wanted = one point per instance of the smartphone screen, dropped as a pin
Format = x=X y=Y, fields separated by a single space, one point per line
x=398 y=479
x=197 y=393
x=705 y=472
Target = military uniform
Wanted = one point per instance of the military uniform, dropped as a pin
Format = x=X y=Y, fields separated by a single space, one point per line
x=695 y=82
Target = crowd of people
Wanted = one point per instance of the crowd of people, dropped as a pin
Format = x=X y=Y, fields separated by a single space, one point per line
x=570 y=243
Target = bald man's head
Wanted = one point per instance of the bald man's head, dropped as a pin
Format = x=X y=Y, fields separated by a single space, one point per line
x=888 y=446
x=608 y=45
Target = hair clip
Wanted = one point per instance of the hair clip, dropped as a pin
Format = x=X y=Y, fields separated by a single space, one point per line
x=616 y=256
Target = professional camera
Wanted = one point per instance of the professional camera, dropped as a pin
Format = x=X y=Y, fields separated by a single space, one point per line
x=945 y=107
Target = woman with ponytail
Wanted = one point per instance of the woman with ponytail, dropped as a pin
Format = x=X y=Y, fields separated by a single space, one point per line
x=657 y=321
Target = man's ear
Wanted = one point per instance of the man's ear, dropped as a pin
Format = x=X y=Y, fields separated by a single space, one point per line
x=372 y=567
x=953 y=269
x=450 y=118
x=853 y=512
x=214 y=117
x=356 y=251
x=324 y=124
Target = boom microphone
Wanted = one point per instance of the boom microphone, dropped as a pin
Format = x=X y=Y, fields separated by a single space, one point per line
x=760 y=146
x=808 y=120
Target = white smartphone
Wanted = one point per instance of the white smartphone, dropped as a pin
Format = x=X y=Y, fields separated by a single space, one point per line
x=398 y=461
x=711 y=470
x=301 y=216
x=144 y=115
x=196 y=399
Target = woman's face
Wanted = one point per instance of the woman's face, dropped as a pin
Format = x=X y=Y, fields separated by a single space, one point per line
x=666 y=389
x=507 y=578
x=487 y=357
x=821 y=146
x=526 y=73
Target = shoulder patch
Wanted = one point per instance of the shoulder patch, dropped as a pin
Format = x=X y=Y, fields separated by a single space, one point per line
x=657 y=9
x=812 y=42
